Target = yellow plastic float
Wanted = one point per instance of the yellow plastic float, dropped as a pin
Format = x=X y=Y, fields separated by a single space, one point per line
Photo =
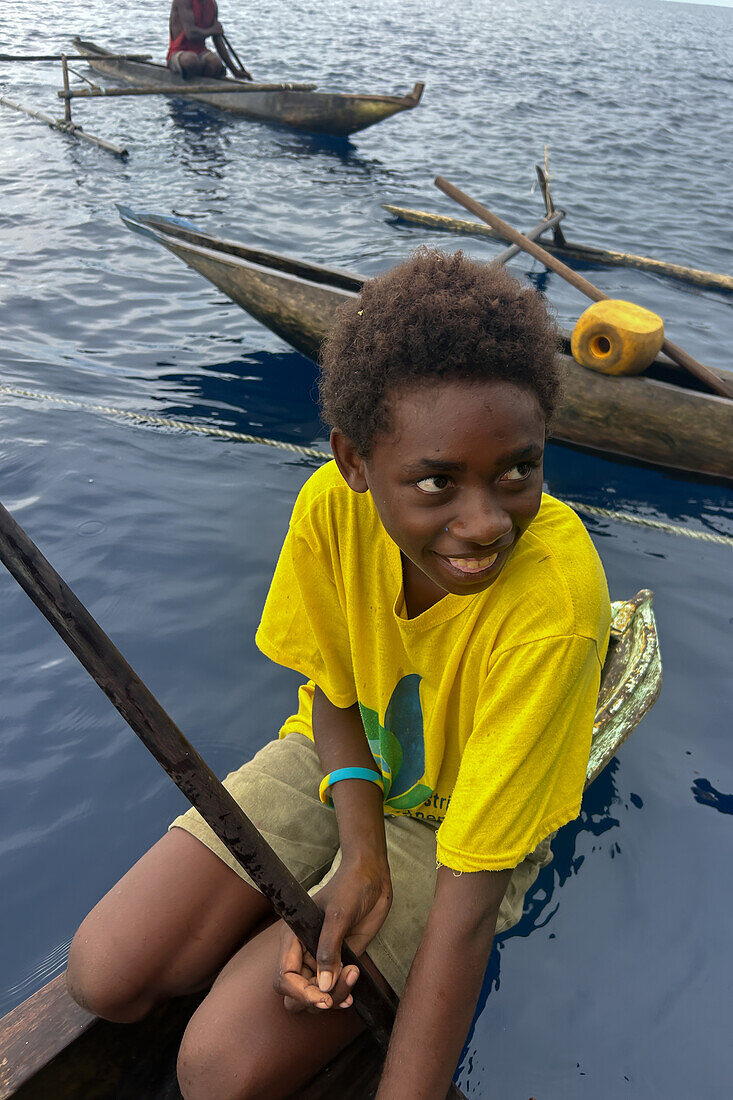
x=616 y=337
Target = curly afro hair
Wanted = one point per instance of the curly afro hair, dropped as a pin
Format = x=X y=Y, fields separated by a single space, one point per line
x=435 y=316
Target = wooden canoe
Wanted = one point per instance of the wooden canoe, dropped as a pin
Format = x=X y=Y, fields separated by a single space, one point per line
x=331 y=113
x=569 y=249
x=662 y=417
x=49 y=1047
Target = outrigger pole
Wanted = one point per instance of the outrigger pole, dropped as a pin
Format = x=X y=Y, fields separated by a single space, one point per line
x=64 y=125
x=188 y=770
x=97 y=92
x=61 y=56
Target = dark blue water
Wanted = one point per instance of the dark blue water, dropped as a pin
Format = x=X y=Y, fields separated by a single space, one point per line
x=617 y=981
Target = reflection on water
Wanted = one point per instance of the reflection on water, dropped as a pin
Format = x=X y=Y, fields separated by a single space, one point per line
x=200 y=134
x=199 y=124
x=706 y=794
x=341 y=152
x=542 y=900
x=267 y=394
x=627 y=486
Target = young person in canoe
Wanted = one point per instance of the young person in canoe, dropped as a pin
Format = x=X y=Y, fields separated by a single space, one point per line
x=191 y=23
x=451 y=622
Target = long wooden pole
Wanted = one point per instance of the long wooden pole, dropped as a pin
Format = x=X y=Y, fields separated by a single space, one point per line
x=705 y=374
x=64 y=127
x=65 y=76
x=188 y=770
x=181 y=90
x=59 y=56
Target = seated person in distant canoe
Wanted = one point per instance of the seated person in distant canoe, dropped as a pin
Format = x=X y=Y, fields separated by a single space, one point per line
x=450 y=622
x=191 y=23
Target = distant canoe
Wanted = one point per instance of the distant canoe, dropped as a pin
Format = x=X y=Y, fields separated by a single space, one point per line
x=658 y=417
x=51 y=1048
x=569 y=249
x=331 y=113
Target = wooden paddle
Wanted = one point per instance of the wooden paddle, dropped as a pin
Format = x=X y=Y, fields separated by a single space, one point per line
x=705 y=374
x=230 y=57
x=188 y=770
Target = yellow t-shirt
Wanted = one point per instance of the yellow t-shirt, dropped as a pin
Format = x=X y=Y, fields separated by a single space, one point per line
x=479 y=711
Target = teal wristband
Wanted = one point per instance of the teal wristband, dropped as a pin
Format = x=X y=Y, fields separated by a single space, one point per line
x=347 y=773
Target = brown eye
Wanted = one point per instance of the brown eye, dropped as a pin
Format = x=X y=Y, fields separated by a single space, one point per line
x=436 y=484
x=520 y=472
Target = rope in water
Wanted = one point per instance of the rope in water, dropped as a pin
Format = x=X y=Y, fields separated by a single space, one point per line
x=151 y=420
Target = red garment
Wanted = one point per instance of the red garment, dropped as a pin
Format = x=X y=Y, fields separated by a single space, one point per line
x=204 y=14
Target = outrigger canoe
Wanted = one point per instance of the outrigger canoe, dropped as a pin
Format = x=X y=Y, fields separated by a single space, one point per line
x=51 y=1048
x=331 y=113
x=663 y=417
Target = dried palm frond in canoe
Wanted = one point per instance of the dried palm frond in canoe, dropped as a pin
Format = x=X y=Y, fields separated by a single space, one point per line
x=49 y=1047
x=333 y=113
x=661 y=417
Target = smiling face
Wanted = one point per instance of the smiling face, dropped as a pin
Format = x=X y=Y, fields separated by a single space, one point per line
x=456 y=481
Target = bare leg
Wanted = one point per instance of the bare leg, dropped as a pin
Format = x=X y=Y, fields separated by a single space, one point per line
x=241 y=1044
x=212 y=64
x=187 y=64
x=167 y=928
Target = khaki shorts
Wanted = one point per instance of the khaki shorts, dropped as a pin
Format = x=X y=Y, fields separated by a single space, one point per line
x=278 y=790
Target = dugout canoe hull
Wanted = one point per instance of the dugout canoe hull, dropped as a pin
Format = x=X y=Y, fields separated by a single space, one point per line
x=49 y=1047
x=657 y=418
x=333 y=113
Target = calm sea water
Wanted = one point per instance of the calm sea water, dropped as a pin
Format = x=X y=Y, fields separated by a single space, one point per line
x=617 y=981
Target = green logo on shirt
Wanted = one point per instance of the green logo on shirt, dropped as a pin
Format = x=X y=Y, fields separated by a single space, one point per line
x=398 y=746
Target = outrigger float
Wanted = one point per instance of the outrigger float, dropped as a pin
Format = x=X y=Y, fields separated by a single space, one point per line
x=663 y=417
x=49 y=1047
x=558 y=245
x=64 y=125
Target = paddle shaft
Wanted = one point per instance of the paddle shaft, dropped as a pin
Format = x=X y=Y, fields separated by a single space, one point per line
x=232 y=51
x=188 y=770
x=705 y=374
x=226 y=52
x=191 y=774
